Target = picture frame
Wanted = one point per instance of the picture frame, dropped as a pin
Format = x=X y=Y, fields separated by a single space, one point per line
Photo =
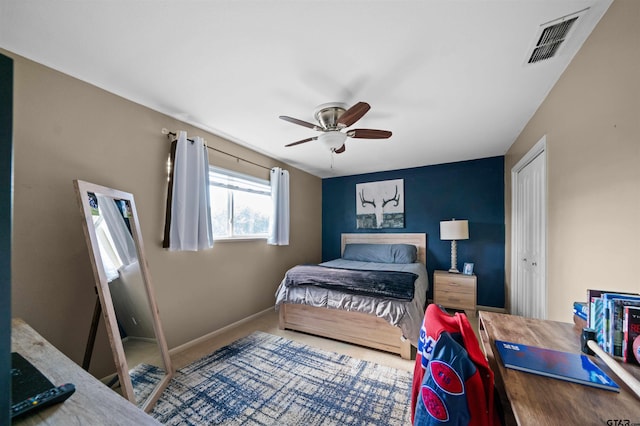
x=468 y=268
x=380 y=204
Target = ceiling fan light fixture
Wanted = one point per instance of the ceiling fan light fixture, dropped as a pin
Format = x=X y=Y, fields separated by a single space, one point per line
x=332 y=118
x=333 y=139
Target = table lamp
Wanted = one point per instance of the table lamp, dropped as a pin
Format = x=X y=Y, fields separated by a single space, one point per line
x=454 y=230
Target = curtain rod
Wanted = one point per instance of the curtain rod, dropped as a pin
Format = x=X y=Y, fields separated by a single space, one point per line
x=170 y=133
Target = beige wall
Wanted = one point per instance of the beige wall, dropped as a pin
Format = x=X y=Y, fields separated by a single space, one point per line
x=66 y=129
x=591 y=120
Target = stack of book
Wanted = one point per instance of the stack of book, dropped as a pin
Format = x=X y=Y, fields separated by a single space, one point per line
x=615 y=317
x=580 y=314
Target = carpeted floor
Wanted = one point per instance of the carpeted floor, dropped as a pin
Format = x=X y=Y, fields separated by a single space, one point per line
x=264 y=379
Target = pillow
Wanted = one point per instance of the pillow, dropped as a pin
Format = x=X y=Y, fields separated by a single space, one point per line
x=381 y=253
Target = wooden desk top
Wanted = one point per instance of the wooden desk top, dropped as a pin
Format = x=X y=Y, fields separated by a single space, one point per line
x=537 y=400
x=92 y=403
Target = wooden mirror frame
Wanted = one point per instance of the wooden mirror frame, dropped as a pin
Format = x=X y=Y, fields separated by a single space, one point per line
x=102 y=286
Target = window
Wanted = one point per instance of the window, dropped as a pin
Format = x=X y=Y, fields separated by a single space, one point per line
x=240 y=204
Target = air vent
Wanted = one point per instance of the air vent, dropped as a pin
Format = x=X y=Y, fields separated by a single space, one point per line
x=551 y=36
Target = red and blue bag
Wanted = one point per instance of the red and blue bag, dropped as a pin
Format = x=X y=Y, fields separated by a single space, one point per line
x=452 y=381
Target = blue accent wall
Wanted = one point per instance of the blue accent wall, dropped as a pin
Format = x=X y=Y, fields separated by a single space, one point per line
x=472 y=190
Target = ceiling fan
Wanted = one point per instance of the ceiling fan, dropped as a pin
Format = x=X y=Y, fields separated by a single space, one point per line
x=332 y=119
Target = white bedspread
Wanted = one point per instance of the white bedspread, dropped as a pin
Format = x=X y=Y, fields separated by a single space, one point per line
x=407 y=315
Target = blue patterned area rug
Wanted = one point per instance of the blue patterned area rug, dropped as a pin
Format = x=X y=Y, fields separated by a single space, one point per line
x=144 y=379
x=264 y=379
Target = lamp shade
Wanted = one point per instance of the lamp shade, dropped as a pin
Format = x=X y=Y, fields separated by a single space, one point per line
x=454 y=230
x=333 y=139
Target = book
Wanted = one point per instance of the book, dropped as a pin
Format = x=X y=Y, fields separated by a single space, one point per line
x=26 y=380
x=575 y=368
x=631 y=327
x=581 y=309
x=612 y=308
x=579 y=314
x=616 y=316
x=597 y=320
x=593 y=294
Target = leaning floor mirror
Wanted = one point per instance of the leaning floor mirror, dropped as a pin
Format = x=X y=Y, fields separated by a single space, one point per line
x=123 y=284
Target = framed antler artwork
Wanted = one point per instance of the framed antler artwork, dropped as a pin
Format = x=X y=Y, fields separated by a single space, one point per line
x=380 y=204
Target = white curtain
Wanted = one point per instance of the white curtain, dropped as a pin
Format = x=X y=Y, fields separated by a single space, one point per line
x=279 y=223
x=190 y=209
x=120 y=235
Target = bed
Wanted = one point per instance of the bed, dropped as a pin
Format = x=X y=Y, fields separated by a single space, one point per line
x=383 y=323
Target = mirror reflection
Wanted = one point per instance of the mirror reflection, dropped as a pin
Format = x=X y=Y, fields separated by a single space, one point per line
x=125 y=292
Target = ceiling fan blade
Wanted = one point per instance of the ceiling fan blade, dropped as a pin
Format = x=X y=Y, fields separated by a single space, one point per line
x=354 y=114
x=340 y=150
x=300 y=122
x=369 y=134
x=302 y=141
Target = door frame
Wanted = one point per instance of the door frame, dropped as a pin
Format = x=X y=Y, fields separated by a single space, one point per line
x=6 y=220
x=540 y=148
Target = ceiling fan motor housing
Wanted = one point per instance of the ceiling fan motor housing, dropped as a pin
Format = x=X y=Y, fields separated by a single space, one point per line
x=328 y=114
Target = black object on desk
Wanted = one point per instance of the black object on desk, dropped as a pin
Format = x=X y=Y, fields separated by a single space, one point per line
x=31 y=390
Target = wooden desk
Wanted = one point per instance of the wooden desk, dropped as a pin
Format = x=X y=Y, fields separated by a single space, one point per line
x=529 y=399
x=93 y=403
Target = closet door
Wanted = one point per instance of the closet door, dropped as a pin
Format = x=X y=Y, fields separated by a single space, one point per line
x=528 y=263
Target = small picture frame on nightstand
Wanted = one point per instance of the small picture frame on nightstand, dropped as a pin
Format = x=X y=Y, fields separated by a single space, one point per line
x=468 y=269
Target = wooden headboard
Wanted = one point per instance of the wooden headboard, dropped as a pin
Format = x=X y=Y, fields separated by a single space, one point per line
x=417 y=239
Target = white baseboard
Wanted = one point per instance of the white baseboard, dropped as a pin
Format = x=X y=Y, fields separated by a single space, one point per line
x=208 y=336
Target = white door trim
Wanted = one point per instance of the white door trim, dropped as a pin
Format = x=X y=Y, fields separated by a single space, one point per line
x=539 y=148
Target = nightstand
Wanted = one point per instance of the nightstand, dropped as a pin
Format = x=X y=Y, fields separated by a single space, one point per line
x=457 y=291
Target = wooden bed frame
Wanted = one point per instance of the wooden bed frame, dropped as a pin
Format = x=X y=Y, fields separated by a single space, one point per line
x=355 y=327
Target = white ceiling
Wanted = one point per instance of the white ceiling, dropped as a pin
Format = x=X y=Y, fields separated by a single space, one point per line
x=448 y=77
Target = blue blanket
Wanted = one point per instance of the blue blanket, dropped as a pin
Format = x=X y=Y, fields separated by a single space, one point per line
x=385 y=284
